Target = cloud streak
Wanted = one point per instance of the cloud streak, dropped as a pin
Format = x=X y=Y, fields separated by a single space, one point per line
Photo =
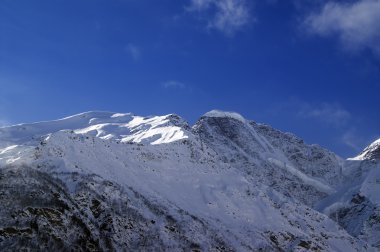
x=134 y=51
x=328 y=113
x=352 y=140
x=227 y=16
x=4 y=122
x=356 y=24
x=173 y=84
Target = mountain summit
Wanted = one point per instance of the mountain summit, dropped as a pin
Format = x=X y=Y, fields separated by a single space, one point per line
x=101 y=181
x=372 y=152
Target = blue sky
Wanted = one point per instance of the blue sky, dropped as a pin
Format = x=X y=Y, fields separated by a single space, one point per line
x=308 y=67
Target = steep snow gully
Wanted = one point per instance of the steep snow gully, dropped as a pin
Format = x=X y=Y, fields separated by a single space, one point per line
x=101 y=181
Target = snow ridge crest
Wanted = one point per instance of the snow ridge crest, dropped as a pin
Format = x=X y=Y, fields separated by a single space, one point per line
x=219 y=113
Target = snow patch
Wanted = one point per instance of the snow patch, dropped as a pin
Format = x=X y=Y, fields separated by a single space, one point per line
x=7 y=149
x=16 y=154
x=156 y=130
x=105 y=125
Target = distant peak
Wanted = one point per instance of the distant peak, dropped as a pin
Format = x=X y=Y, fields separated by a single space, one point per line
x=225 y=114
x=370 y=152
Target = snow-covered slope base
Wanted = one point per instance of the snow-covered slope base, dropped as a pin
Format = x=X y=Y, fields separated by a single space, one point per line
x=111 y=181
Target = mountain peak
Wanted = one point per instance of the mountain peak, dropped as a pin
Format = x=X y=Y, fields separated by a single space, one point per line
x=225 y=114
x=372 y=152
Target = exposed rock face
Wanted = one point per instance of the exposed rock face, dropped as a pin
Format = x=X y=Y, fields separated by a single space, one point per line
x=40 y=213
x=266 y=154
x=102 y=181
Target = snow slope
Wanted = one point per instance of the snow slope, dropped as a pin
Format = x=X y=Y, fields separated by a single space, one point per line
x=356 y=204
x=254 y=186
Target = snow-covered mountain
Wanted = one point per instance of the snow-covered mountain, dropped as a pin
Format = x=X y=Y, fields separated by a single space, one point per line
x=110 y=181
x=356 y=204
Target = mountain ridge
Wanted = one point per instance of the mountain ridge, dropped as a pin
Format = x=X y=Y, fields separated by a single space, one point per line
x=229 y=173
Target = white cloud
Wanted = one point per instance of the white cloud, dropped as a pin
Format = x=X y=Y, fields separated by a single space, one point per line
x=227 y=16
x=357 y=24
x=328 y=113
x=134 y=51
x=173 y=84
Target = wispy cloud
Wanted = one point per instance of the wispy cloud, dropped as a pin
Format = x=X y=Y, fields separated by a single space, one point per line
x=4 y=122
x=344 y=128
x=329 y=113
x=352 y=140
x=3 y=105
x=357 y=24
x=200 y=5
x=3 y=117
x=227 y=16
x=356 y=140
x=134 y=51
x=173 y=84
